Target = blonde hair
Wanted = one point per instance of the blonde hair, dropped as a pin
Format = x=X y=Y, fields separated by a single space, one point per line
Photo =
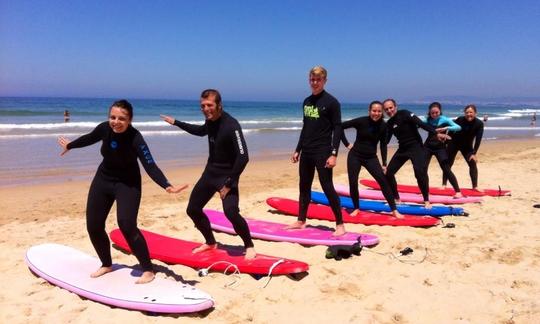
x=318 y=71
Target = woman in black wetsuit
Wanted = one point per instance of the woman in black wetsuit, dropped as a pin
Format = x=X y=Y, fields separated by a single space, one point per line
x=118 y=178
x=472 y=130
x=370 y=130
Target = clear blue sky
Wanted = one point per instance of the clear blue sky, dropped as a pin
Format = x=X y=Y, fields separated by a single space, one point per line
x=262 y=50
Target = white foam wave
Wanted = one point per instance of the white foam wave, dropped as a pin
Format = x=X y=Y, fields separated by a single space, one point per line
x=49 y=125
x=503 y=117
x=528 y=111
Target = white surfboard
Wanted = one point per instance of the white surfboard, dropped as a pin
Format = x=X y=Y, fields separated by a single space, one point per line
x=70 y=269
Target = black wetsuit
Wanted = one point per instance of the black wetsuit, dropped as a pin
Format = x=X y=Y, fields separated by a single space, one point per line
x=228 y=156
x=462 y=141
x=118 y=178
x=320 y=137
x=404 y=125
x=364 y=153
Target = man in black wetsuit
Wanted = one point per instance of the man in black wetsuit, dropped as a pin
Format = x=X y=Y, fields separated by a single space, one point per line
x=319 y=142
x=404 y=125
x=228 y=156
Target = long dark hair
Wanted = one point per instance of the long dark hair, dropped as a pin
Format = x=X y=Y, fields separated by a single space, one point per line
x=124 y=104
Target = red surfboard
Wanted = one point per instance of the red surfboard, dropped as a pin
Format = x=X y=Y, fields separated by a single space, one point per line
x=322 y=212
x=441 y=191
x=176 y=251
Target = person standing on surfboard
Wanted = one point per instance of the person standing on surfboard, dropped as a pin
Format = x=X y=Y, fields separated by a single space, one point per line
x=404 y=125
x=318 y=144
x=472 y=130
x=370 y=130
x=228 y=156
x=438 y=148
x=118 y=178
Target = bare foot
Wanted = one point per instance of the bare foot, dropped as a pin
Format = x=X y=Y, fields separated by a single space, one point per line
x=458 y=195
x=146 y=277
x=478 y=189
x=250 y=254
x=204 y=247
x=427 y=205
x=100 y=272
x=397 y=214
x=340 y=230
x=296 y=225
x=355 y=212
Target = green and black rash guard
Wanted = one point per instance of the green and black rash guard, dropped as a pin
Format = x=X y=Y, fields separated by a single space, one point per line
x=368 y=134
x=404 y=125
x=120 y=152
x=321 y=131
x=228 y=153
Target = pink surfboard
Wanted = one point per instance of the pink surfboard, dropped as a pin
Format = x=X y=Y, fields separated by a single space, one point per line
x=343 y=190
x=70 y=269
x=276 y=232
x=441 y=191
x=322 y=212
x=177 y=251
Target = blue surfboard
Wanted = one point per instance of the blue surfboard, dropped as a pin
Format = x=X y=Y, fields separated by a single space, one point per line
x=380 y=206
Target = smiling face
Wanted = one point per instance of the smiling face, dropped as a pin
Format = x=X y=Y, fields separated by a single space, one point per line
x=376 y=111
x=434 y=112
x=389 y=108
x=210 y=109
x=470 y=114
x=119 y=119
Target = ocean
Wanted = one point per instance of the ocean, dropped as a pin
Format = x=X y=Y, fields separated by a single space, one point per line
x=29 y=128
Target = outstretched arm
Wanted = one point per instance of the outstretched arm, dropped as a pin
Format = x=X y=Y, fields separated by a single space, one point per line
x=198 y=130
x=150 y=166
x=85 y=140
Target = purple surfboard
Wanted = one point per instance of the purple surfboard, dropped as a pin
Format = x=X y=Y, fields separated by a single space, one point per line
x=271 y=231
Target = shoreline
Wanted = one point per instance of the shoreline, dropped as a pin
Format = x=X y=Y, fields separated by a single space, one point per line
x=481 y=271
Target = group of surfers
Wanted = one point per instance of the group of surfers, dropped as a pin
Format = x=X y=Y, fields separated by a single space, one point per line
x=118 y=176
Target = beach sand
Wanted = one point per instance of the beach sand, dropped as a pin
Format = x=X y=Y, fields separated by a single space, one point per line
x=485 y=270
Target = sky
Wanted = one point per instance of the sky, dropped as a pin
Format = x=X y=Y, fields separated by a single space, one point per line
x=263 y=50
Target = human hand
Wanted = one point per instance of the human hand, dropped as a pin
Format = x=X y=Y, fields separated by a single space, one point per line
x=223 y=192
x=294 y=157
x=168 y=119
x=331 y=162
x=176 y=189
x=63 y=142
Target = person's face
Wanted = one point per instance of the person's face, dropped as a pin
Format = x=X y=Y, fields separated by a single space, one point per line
x=119 y=119
x=434 y=112
x=375 y=112
x=209 y=108
x=470 y=114
x=316 y=82
x=389 y=108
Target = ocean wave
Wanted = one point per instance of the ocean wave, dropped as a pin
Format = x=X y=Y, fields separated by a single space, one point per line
x=524 y=112
x=49 y=125
x=503 y=117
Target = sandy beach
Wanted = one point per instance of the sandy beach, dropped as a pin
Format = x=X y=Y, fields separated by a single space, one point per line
x=485 y=270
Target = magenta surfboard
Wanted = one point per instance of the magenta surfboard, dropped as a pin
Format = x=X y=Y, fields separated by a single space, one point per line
x=373 y=194
x=441 y=191
x=177 y=251
x=70 y=269
x=276 y=232
x=322 y=212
